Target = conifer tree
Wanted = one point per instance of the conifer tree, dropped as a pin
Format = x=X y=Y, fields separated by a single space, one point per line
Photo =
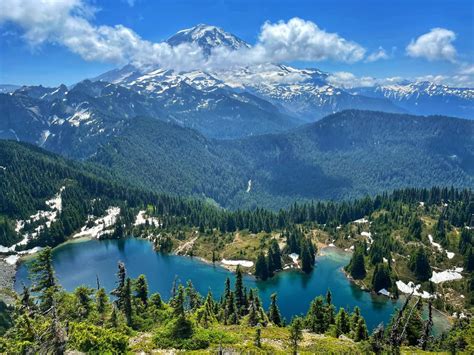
x=193 y=299
x=316 y=319
x=178 y=302
x=381 y=278
x=420 y=265
x=328 y=297
x=306 y=257
x=261 y=267
x=342 y=322
x=82 y=294
x=44 y=279
x=361 y=330
x=357 y=264
x=296 y=333
x=274 y=312
x=127 y=301
x=355 y=317
x=101 y=301
x=258 y=337
x=141 y=289
x=239 y=291
x=118 y=292
x=469 y=260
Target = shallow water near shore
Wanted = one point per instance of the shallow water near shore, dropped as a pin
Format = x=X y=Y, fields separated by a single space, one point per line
x=81 y=263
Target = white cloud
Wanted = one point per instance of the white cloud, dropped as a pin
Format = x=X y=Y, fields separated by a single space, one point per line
x=304 y=40
x=467 y=69
x=70 y=23
x=434 y=45
x=348 y=80
x=378 y=55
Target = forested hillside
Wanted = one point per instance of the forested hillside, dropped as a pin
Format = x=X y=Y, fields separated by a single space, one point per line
x=343 y=156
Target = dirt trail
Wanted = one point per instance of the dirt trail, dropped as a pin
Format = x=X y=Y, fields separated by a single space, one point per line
x=185 y=246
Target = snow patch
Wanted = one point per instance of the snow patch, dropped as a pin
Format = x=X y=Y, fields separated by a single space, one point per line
x=370 y=240
x=439 y=247
x=244 y=263
x=50 y=216
x=143 y=219
x=447 y=275
x=12 y=259
x=101 y=224
x=249 y=186
x=294 y=257
x=412 y=288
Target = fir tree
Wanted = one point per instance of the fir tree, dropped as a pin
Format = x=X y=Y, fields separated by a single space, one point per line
x=44 y=279
x=306 y=257
x=361 y=330
x=420 y=265
x=381 y=278
x=261 y=267
x=101 y=301
x=469 y=260
x=258 y=337
x=328 y=297
x=357 y=264
x=193 y=299
x=342 y=322
x=141 y=289
x=274 y=312
x=316 y=319
x=178 y=302
x=239 y=291
x=118 y=292
x=127 y=301
x=296 y=333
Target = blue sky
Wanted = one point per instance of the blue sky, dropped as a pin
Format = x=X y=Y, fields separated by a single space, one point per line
x=32 y=51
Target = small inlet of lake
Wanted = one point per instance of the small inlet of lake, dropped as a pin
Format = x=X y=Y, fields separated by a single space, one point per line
x=81 y=262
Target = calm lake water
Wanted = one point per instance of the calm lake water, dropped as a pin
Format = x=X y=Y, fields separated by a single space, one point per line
x=80 y=262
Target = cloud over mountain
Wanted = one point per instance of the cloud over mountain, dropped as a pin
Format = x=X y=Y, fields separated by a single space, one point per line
x=70 y=23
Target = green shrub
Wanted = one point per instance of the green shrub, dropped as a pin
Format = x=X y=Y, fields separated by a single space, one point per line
x=91 y=339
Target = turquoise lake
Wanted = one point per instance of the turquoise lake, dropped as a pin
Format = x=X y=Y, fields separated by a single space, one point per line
x=81 y=262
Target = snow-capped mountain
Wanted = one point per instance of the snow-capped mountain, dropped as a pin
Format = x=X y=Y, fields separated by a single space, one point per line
x=426 y=98
x=303 y=93
x=207 y=37
x=230 y=103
